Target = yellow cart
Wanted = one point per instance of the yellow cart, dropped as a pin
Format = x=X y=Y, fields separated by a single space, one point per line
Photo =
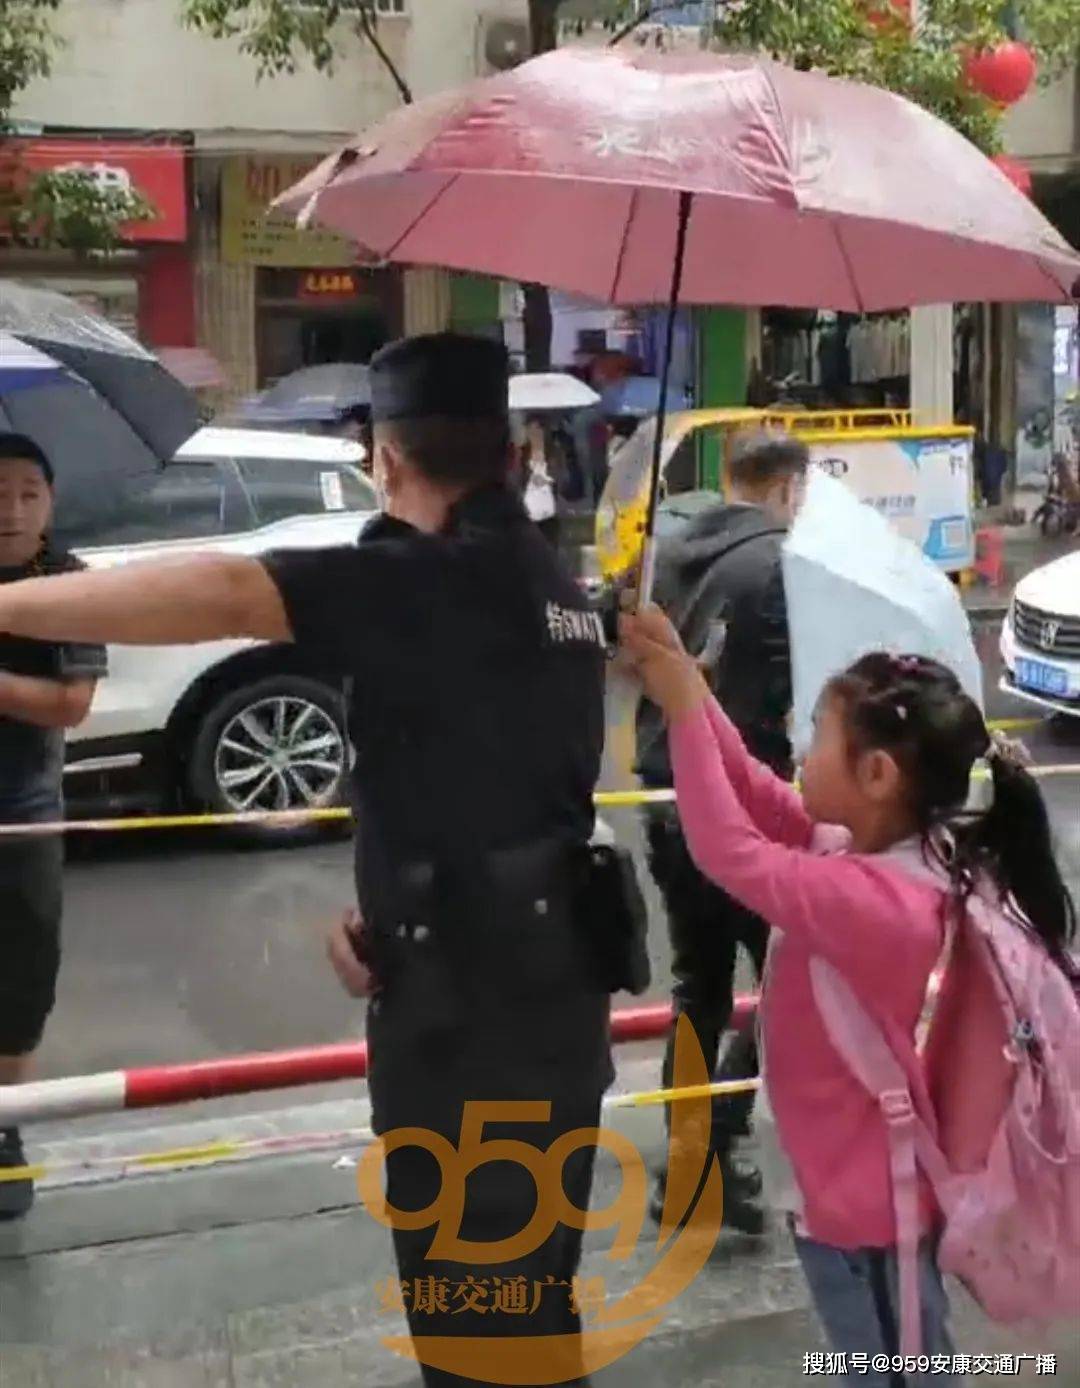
x=921 y=479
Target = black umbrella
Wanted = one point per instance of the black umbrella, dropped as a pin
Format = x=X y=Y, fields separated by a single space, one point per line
x=312 y=395
x=109 y=414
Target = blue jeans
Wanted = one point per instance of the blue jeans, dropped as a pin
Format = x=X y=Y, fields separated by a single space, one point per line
x=857 y=1298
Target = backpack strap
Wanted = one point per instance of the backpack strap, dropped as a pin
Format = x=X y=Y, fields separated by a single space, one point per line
x=859 y=1041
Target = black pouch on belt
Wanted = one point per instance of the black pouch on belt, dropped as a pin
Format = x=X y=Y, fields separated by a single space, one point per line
x=520 y=924
x=408 y=948
x=613 y=919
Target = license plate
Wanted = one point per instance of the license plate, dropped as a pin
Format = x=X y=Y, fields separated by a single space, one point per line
x=1047 y=679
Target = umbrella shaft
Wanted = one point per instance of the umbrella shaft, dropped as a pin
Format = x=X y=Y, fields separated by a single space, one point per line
x=648 y=571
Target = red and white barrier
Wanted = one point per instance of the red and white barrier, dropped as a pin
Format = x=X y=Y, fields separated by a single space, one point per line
x=158 y=1086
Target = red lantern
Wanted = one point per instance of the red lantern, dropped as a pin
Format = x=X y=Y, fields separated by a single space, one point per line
x=1004 y=74
x=1016 y=172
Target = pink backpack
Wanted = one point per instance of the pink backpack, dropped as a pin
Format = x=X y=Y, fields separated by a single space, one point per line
x=1000 y=1141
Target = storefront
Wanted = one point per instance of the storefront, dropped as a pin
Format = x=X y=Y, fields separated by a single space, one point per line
x=308 y=300
x=145 y=288
x=308 y=317
x=581 y=330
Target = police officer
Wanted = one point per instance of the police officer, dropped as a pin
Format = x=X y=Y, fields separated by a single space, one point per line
x=475 y=673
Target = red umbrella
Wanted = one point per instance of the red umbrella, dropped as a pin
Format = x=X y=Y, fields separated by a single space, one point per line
x=805 y=190
x=647 y=178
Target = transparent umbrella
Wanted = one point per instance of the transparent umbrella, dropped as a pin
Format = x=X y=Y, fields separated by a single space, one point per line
x=102 y=407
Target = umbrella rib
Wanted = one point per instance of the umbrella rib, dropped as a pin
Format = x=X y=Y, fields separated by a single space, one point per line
x=134 y=424
x=613 y=296
x=423 y=213
x=1059 y=290
x=861 y=306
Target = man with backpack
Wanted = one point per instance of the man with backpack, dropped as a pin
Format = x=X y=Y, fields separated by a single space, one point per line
x=721 y=584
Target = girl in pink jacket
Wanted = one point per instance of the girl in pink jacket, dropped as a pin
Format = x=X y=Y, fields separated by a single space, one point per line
x=889 y=771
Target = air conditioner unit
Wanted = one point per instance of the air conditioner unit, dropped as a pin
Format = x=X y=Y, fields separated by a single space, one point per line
x=502 y=44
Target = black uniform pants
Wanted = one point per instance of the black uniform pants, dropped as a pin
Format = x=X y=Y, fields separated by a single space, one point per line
x=533 y=1295
x=31 y=899
x=706 y=928
x=437 y=1044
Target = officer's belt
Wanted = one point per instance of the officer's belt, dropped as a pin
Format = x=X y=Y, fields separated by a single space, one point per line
x=421 y=892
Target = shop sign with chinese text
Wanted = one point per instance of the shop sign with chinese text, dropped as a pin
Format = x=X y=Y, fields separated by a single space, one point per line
x=252 y=235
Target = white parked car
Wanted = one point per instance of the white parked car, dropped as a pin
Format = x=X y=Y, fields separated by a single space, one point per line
x=1040 y=640
x=236 y=725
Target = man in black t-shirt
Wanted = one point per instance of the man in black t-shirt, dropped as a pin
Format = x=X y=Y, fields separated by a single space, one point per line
x=475 y=674
x=45 y=687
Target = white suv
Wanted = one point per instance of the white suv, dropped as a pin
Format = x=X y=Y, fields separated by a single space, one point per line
x=237 y=725
x=1040 y=640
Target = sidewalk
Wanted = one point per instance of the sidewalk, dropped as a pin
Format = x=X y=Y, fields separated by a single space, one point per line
x=267 y=1274
x=1025 y=549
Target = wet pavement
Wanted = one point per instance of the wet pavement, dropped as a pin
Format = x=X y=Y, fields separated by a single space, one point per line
x=267 y=1272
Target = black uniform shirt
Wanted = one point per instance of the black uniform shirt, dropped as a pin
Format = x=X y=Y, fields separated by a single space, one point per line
x=476 y=674
x=32 y=757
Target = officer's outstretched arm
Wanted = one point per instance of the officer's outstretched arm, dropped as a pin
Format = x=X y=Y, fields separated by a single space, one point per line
x=206 y=597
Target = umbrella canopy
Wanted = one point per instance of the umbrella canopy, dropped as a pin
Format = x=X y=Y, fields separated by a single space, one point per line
x=804 y=190
x=123 y=374
x=103 y=409
x=844 y=557
x=193 y=367
x=314 y=394
x=537 y=391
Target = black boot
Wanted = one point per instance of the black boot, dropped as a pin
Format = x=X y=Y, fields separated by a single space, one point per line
x=17 y=1196
x=743 y=1210
x=742 y=1187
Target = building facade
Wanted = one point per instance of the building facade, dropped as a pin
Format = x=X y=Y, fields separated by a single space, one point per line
x=137 y=97
x=1036 y=377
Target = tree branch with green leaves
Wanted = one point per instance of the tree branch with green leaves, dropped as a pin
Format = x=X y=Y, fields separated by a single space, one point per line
x=72 y=210
x=281 y=34
x=28 y=42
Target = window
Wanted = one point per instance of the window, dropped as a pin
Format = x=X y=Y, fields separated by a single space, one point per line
x=185 y=500
x=384 y=9
x=284 y=487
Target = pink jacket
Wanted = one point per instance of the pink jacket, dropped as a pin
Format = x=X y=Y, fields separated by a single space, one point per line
x=879 y=926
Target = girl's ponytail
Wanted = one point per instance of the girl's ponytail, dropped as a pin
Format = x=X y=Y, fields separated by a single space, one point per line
x=915 y=709
x=1012 y=840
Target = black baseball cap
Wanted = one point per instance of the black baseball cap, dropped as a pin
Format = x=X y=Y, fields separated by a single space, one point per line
x=445 y=375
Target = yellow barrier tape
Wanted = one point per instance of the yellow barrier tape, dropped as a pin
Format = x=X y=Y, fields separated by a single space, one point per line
x=280 y=819
x=294 y=819
x=693 y=1091
x=216 y=1153
x=285 y=819
x=209 y=1154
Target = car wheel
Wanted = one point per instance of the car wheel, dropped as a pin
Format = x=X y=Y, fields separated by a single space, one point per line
x=278 y=744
